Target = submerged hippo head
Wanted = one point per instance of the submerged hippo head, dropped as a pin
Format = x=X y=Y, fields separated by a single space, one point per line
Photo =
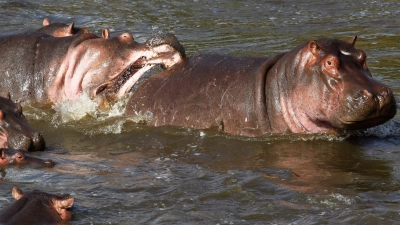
x=37 y=207
x=20 y=157
x=59 y=29
x=332 y=89
x=14 y=130
x=107 y=68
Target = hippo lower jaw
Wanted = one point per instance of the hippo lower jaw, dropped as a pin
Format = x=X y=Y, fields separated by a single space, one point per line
x=363 y=124
x=163 y=55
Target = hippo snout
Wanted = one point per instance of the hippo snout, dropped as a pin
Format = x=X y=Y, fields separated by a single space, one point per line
x=34 y=143
x=368 y=107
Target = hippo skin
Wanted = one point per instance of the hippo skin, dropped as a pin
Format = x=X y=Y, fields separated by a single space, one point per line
x=37 y=207
x=322 y=86
x=49 y=69
x=21 y=158
x=59 y=29
x=15 y=132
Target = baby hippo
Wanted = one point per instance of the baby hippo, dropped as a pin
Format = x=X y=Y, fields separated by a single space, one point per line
x=20 y=157
x=37 y=207
x=59 y=29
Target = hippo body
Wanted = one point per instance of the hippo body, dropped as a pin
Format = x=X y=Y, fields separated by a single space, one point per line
x=37 y=207
x=47 y=69
x=21 y=158
x=14 y=130
x=322 y=86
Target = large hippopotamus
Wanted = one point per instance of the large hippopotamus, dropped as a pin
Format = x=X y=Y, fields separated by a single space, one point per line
x=37 y=207
x=54 y=69
x=21 y=158
x=14 y=130
x=322 y=86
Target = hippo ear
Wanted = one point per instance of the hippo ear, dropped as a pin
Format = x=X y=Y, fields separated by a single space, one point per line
x=71 y=28
x=313 y=47
x=46 y=22
x=1 y=115
x=105 y=33
x=8 y=95
x=353 y=40
x=65 y=202
x=17 y=193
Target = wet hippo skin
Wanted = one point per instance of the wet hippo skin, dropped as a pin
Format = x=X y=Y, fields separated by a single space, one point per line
x=47 y=69
x=36 y=207
x=14 y=130
x=322 y=86
x=21 y=158
x=60 y=29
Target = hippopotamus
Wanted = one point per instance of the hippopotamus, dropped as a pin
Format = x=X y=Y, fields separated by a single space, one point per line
x=37 y=207
x=14 y=130
x=20 y=157
x=59 y=29
x=322 y=86
x=51 y=69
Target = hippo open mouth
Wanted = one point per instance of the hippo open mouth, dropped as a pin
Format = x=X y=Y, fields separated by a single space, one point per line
x=161 y=50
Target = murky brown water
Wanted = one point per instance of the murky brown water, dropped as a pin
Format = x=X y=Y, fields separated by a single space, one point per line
x=121 y=172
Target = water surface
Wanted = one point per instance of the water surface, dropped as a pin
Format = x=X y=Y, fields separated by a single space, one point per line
x=122 y=172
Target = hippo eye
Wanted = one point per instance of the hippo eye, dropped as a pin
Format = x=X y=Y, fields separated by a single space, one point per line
x=329 y=63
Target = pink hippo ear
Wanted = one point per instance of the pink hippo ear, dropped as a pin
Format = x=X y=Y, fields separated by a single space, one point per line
x=46 y=22
x=17 y=193
x=353 y=40
x=61 y=205
x=1 y=115
x=313 y=47
x=105 y=33
x=71 y=28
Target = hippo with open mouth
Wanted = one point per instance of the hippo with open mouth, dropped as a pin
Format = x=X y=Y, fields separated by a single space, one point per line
x=322 y=86
x=51 y=69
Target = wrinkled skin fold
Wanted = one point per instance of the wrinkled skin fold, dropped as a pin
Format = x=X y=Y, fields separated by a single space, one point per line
x=322 y=86
x=40 y=67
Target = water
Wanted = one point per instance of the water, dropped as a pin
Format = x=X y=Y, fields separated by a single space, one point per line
x=122 y=172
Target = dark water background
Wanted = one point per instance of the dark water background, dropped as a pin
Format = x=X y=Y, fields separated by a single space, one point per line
x=121 y=172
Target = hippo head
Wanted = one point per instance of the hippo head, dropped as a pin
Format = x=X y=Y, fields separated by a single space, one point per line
x=333 y=90
x=37 y=207
x=133 y=60
x=20 y=157
x=58 y=29
x=107 y=68
x=14 y=130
